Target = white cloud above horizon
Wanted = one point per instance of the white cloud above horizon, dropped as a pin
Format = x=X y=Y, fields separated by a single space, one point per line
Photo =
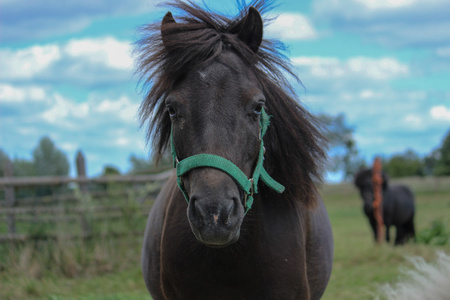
x=23 y=20
x=81 y=61
x=441 y=113
x=290 y=26
x=394 y=23
x=370 y=68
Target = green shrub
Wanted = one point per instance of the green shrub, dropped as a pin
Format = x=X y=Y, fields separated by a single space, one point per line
x=437 y=234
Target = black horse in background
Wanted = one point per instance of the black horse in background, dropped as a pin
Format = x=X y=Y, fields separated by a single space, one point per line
x=398 y=206
x=212 y=83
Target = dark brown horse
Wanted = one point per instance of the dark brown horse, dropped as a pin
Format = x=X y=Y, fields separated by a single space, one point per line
x=211 y=80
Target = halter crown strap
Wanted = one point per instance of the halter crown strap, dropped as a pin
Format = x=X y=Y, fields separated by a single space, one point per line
x=249 y=186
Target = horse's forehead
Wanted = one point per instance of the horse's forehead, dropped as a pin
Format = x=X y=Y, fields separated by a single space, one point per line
x=227 y=67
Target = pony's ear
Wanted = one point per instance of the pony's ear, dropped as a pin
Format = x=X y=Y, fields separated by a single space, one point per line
x=251 y=32
x=166 y=23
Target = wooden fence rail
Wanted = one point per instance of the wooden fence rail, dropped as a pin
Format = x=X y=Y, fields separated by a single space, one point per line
x=58 y=180
x=10 y=212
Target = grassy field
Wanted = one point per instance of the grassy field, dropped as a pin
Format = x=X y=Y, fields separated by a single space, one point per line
x=360 y=266
x=109 y=270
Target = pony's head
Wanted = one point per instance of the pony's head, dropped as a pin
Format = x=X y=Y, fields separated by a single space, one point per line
x=212 y=78
x=363 y=181
x=215 y=109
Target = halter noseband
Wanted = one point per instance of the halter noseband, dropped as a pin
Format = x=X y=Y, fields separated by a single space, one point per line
x=248 y=185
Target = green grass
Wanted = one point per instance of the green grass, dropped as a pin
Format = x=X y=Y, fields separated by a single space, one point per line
x=78 y=269
x=360 y=265
x=109 y=269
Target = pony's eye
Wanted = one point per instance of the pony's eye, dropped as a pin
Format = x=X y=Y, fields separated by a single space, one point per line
x=172 y=112
x=258 y=109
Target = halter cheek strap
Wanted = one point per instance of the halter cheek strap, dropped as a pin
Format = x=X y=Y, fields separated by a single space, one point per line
x=248 y=185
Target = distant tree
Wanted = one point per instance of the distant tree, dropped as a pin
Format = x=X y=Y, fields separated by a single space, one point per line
x=3 y=159
x=343 y=152
x=141 y=165
x=442 y=167
x=49 y=160
x=110 y=170
x=23 y=167
x=404 y=165
x=430 y=162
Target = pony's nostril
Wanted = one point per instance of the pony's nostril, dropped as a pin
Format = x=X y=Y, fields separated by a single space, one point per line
x=198 y=208
x=229 y=210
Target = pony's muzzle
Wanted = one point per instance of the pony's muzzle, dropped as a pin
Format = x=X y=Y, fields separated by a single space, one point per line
x=215 y=211
x=214 y=222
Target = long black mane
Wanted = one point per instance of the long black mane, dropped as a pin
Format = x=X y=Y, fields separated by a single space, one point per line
x=294 y=145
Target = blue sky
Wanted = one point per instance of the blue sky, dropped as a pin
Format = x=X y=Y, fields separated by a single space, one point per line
x=66 y=71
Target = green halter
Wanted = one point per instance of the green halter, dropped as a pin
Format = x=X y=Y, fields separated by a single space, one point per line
x=249 y=186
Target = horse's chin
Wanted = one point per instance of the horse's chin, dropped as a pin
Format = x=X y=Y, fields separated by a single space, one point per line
x=216 y=246
x=216 y=240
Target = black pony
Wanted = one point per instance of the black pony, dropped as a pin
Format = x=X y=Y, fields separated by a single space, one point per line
x=212 y=84
x=398 y=206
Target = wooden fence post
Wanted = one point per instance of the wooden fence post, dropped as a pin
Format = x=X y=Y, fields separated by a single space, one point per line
x=377 y=180
x=81 y=173
x=10 y=197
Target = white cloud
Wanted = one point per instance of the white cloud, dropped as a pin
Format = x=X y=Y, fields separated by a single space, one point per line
x=440 y=113
x=10 y=93
x=29 y=62
x=64 y=113
x=367 y=94
x=35 y=104
x=381 y=69
x=86 y=62
x=289 y=26
x=385 y=4
x=122 y=107
x=443 y=52
x=414 y=120
x=106 y=51
x=398 y=23
x=67 y=146
x=24 y=20
x=122 y=141
x=67 y=113
x=369 y=68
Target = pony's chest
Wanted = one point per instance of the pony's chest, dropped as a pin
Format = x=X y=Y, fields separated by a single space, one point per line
x=221 y=281
x=191 y=271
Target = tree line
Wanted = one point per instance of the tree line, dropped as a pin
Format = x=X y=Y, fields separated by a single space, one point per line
x=344 y=156
x=48 y=160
